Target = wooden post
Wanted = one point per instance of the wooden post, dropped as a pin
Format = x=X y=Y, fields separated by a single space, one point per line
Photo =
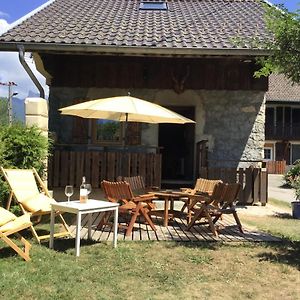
x=264 y=186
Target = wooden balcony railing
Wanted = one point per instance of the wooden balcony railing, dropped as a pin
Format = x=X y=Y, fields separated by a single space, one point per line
x=279 y=132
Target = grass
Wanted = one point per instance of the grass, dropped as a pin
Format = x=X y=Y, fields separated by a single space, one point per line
x=153 y=270
x=280 y=224
x=280 y=204
x=160 y=270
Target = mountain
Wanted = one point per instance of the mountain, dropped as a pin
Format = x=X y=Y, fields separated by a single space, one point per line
x=18 y=108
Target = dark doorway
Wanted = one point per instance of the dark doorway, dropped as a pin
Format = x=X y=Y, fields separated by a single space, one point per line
x=177 y=143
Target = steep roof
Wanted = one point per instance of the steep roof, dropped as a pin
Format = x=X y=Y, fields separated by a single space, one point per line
x=281 y=89
x=186 y=25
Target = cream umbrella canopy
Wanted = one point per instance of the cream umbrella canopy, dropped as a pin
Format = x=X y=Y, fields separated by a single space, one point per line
x=125 y=109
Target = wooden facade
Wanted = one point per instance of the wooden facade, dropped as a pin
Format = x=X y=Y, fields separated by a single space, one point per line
x=148 y=73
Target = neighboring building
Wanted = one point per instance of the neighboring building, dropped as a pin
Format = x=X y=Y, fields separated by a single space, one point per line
x=282 y=129
x=180 y=54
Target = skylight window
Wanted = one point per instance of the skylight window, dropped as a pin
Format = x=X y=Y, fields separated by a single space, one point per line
x=153 y=5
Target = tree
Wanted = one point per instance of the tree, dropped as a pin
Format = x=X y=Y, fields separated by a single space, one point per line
x=285 y=45
x=3 y=111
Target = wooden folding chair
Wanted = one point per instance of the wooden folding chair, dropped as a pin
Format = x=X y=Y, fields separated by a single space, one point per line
x=129 y=204
x=138 y=187
x=202 y=186
x=206 y=202
x=213 y=207
x=33 y=197
x=227 y=204
x=12 y=225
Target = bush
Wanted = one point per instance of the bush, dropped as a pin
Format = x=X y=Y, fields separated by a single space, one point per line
x=296 y=186
x=22 y=147
x=293 y=175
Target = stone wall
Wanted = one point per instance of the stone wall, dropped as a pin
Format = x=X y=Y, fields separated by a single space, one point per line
x=234 y=126
x=232 y=121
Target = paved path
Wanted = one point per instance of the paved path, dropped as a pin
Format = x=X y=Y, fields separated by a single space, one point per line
x=277 y=191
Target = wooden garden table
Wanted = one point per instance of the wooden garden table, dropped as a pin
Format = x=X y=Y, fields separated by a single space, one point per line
x=169 y=196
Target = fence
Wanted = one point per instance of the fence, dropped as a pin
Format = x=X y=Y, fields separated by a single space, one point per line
x=276 y=167
x=68 y=167
x=253 y=180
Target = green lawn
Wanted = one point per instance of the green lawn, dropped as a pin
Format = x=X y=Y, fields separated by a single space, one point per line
x=160 y=270
x=281 y=224
x=154 y=270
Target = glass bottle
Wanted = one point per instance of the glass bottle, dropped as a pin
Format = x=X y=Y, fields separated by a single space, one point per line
x=83 y=193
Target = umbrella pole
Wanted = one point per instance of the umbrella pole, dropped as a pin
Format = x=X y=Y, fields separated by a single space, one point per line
x=125 y=131
x=124 y=146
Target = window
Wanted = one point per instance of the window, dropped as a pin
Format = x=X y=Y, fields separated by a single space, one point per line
x=295 y=153
x=268 y=153
x=107 y=132
x=153 y=5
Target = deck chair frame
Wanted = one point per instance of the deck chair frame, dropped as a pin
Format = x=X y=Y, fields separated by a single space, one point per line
x=5 y=237
x=36 y=214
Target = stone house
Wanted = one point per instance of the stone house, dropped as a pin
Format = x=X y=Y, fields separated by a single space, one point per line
x=282 y=129
x=178 y=53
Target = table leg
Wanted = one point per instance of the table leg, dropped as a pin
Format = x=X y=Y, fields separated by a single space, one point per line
x=115 y=227
x=172 y=204
x=77 y=241
x=52 y=228
x=166 y=212
x=89 y=226
x=189 y=202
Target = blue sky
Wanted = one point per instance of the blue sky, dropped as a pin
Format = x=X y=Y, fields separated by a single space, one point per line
x=10 y=68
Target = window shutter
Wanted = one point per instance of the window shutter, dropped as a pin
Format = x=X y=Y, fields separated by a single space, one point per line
x=80 y=127
x=134 y=133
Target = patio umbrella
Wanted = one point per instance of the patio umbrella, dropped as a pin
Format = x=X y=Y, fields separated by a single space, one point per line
x=125 y=109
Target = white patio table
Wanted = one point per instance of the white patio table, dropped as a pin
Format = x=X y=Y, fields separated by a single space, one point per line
x=75 y=207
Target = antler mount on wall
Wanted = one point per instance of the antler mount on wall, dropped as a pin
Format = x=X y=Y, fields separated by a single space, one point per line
x=179 y=79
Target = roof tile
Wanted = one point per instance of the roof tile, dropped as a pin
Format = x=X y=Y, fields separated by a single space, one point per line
x=187 y=23
x=281 y=89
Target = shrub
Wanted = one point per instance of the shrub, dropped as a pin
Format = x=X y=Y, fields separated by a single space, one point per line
x=296 y=186
x=293 y=175
x=22 y=147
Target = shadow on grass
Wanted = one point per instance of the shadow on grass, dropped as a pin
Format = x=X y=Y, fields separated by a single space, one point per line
x=7 y=252
x=283 y=215
x=286 y=253
x=285 y=186
x=63 y=245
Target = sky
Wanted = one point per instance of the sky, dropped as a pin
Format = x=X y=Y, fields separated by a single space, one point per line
x=10 y=67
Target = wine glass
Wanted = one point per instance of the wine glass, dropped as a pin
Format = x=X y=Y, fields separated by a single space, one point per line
x=88 y=187
x=69 y=191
